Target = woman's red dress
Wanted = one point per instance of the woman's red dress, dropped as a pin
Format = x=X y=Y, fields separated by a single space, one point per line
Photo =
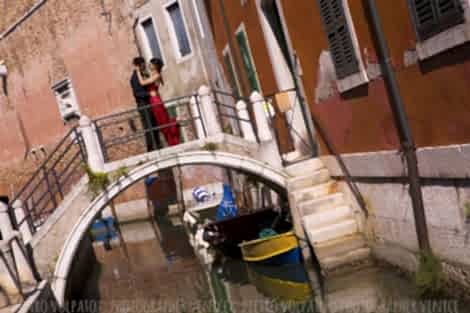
x=168 y=126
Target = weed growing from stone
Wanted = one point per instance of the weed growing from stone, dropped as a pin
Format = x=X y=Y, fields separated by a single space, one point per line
x=210 y=146
x=467 y=212
x=97 y=181
x=123 y=171
x=428 y=278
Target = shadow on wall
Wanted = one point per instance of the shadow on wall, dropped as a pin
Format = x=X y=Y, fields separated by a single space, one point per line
x=326 y=82
x=361 y=91
x=454 y=56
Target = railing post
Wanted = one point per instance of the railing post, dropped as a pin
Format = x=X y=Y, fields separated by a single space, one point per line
x=18 y=207
x=246 y=127
x=197 y=118
x=95 y=157
x=14 y=254
x=209 y=112
x=7 y=281
x=262 y=124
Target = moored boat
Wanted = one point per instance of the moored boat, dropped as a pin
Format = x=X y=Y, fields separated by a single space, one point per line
x=226 y=235
x=277 y=250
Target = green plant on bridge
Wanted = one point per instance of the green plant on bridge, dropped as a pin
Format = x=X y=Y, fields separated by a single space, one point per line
x=227 y=129
x=122 y=171
x=210 y=146
x=97 y=181
x=429 y=278
x=467 y=212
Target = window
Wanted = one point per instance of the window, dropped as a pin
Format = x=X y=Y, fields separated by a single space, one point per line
x=435 y=16
x=245 y=51
x=339 y=37
x=232 y=77
x=180 y=34
x=151 y=42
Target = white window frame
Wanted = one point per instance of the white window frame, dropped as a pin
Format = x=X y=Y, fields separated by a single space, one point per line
x=147 y=50
x=172 y=31
x=448 y=39
x=359 y=78
x=242 y=28
x=226 y=51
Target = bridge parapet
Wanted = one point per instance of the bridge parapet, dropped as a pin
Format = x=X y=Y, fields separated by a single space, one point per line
x=216 y=129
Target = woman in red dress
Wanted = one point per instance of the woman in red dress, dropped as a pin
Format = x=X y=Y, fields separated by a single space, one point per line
x=168 y=126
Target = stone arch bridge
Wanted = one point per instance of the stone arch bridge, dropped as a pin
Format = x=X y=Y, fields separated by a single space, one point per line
x=324 y=217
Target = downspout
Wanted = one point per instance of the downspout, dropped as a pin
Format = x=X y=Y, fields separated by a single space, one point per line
x=18 y=22
x=402 y=125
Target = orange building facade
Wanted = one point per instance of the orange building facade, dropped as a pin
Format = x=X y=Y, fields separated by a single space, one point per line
x=330 y=44
x=434 y=88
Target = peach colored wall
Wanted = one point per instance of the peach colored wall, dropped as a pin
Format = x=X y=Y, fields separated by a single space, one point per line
x=435 y=92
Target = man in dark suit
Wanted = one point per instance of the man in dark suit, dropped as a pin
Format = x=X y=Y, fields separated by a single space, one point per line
x=141 y=96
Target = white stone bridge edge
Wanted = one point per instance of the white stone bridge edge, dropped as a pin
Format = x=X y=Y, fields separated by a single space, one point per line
x=214 y=130
x=237 y=162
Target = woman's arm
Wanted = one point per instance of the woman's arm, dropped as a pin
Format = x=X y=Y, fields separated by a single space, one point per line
x=147 y=81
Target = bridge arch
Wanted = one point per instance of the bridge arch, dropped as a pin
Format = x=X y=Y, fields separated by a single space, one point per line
x=276 y=177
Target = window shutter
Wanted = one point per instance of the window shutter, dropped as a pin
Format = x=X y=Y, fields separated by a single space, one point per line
x=434 y=16
x=450 y=13
x=339 y=37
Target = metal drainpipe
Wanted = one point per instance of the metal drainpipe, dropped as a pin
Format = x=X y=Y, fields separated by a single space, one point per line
x=23 y=18
x=402 y=125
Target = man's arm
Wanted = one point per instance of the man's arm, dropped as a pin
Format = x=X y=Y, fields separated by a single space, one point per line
x=137 y=89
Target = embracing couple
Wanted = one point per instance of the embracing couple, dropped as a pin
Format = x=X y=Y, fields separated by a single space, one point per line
x=145 y=82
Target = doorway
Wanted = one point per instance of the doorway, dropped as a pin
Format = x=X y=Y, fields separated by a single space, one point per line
x=276 y=37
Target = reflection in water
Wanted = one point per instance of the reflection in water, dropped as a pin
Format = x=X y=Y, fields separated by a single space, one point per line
x=162 y=274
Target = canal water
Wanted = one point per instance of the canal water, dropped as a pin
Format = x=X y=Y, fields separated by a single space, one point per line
x=154 y=269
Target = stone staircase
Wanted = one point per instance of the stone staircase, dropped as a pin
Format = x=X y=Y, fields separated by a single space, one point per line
x=325 y=216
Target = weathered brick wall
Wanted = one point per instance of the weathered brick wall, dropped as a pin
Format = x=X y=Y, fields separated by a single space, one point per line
x=86 y=41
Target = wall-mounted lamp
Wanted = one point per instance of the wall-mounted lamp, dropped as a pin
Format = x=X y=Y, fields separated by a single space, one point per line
x=43 y=150
x=3 y=77
x=3 y=69
x=34 y=152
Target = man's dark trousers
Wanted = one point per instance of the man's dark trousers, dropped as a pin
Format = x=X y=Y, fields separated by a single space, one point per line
x=152 y=138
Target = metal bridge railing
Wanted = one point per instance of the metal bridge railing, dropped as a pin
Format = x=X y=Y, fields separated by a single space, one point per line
x=17 y=268
x=50 y=183
x=121 y=135
x=125 y=134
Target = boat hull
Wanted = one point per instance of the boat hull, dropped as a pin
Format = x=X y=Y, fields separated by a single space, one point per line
x=226 y=235
x=276 y=250
x=268 y=283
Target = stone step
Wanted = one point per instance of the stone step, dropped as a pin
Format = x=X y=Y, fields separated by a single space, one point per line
x=345 y=259
x=314 y=192
x=304 y=167
x=340 y=246
x=309 y=180
x=327 y=218
x=343 y=228
x=321 y=204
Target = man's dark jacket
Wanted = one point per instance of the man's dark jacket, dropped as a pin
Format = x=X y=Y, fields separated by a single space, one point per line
x=139 y=91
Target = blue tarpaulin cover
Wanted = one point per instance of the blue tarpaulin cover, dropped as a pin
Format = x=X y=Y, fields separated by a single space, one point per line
x=227 y=207
x=103 y=229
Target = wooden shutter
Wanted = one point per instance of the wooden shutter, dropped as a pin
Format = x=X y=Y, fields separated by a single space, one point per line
x=247 y=61
x=339 y=37
x=450 y=13
x=434 y=16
